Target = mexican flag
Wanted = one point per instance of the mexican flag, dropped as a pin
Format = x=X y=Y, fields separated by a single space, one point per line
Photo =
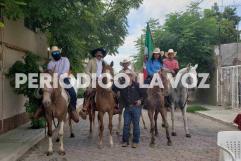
x=149 y=47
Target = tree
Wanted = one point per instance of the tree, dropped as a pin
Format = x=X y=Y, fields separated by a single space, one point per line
x=193 y=34
x=80 y=25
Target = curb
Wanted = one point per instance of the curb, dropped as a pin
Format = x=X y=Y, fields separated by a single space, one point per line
x=215 y=119
x=26 y=146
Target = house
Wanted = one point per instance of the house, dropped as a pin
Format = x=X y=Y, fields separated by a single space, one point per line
x=16 y=40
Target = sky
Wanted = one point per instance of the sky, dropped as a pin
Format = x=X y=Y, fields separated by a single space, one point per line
x=157 y=9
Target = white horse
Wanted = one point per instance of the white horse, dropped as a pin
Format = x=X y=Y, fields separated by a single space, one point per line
x=179 y=95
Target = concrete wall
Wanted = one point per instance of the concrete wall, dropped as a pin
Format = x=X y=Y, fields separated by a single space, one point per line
x=228 y=53
x=224 y=55
x=15 y=41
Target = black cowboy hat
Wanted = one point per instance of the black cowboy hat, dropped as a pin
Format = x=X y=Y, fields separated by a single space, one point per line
x=102 y=50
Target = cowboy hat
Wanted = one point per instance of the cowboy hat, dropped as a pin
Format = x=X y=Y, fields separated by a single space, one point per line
x=170 y=51
x=55 y=48
x=125 y=61
x=102 y=50
x=156 y=51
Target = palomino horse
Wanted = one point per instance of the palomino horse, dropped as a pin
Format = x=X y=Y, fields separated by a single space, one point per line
x=105 y=102
x=179 y=95
x=55 y=103
x=154 y=103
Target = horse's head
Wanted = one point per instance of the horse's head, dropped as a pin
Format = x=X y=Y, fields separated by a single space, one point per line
x=108 y=68
x=49 y=92
x=47 y=96
x=192 y=73
x=107 y=71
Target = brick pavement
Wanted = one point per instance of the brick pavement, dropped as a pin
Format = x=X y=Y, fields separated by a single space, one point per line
x=200 y=147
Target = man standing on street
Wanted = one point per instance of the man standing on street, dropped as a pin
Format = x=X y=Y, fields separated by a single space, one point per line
x=132 y=96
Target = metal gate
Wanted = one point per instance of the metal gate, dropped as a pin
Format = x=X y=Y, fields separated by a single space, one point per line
x=229 y=86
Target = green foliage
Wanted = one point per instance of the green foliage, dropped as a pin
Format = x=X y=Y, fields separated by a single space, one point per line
x=29 y=65
x=195 y=108
x=194 y=33
x=80 y=93
x=78 y=26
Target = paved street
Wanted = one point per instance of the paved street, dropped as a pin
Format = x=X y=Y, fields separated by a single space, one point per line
x=201 y=147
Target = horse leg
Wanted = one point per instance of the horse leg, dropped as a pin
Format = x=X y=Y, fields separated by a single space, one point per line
x=91 y=120
x=188 y=135
x=164 y=118
x=155 y=119
x=101 y=128
x=110 y=128
x=172 y=117
x=119 y=123
x=143 y=121
x=71 y=128
x=150 y=114
x=50 y=133
x=61 y=137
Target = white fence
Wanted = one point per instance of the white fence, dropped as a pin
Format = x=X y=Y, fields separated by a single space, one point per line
x=229 y=86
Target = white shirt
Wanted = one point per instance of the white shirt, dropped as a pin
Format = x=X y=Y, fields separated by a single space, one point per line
x=62 y=66
x=99 y=67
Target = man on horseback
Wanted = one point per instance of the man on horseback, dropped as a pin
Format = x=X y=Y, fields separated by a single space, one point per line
x=61 y=66
x=95 y=66
x=172 y=65
x=170 y=62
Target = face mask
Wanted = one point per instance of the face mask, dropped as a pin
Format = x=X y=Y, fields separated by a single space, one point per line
x=56 y=55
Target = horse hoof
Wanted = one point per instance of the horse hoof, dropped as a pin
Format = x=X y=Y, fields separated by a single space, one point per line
x=117 y=133
x=57 y=140
x=174 y=134
x=49 y=153
x=169 y=143
x=100 y=146
x=188 y=135
x=62 y=153
x=145 y=127
x=163 y=125
x=72 y=135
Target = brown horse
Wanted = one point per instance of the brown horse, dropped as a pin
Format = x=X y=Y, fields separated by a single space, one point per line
x=155 y=105
x=105 y=102
x=55 y=103
x=89 y=104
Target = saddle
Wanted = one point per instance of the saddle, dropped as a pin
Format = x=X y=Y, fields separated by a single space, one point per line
x=90 y=101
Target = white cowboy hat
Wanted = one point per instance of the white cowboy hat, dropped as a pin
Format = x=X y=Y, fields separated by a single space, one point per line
x=125 y=61
x=170 y=51
x=55 y=48
x=156 y=51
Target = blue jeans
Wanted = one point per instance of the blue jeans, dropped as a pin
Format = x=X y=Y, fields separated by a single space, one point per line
x=132 y=115
x=72 y=94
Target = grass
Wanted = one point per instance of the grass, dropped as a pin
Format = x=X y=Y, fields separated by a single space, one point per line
x=195 y=108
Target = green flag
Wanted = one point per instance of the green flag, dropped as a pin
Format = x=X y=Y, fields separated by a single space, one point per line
x=149 y=46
